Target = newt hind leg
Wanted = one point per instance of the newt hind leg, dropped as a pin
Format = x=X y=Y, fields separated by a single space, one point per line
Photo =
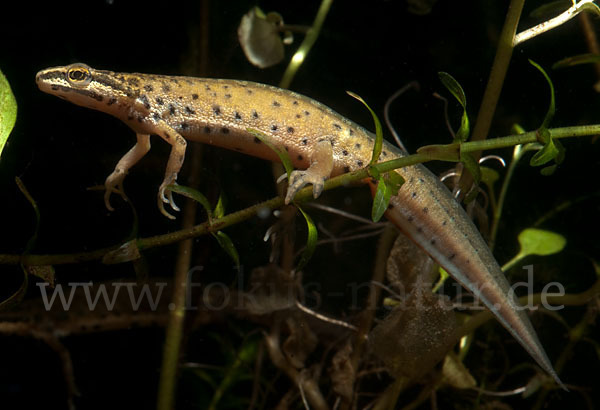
x=321 y=165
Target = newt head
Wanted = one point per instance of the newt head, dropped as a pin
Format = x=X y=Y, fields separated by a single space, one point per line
x=85 y=86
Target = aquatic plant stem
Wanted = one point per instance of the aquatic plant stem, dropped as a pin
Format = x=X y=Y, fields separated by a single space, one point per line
x=309 y=41
x=303 y=195
x=494 y=85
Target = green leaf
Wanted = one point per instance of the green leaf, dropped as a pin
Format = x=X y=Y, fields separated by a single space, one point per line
x=471 y=165
x=378 y=146
x=540 y=242
x=388 y=185
x=227 y=245
x=545 y=155
x=577 y=60
x=552 y=107
x=281 y=153
x=311 y=241
x=8 y=111
x=219 y=211
x=195 y=195
x=448 y=152
x=457 y=91
x=535 y=241
x=489 y=176
x=381 y=200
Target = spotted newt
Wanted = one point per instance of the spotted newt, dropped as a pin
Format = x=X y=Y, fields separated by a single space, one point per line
x=319 y=141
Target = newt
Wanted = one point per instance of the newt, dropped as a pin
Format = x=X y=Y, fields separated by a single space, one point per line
x=321 y=144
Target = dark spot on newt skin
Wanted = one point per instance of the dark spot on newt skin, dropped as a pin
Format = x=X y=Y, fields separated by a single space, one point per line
x=391 y=206
x=421 y=180
x=420 y=230
x=295 y=102
x=410 y=218
x=290 y=130
x=181 y=141
x=425 y=210
x=344 y=152
x=189 y=111
x=207 y=87
x=414 y=195
x=166 y=88
x=225 y=86
x=350 y=131
x=167 y=136
x=411 y=180
x=276 y=104
x=133 y=81
x=432 y=241
x=359 y=163
x=274 y=127
x=357 y=146
x=254 y=114
x=468 y=261
x=207 y=130
x=304 y=141
x=140 y=118
x=300 y=157
x=111 y=101
x=257 y=140
x=444 y=223
x=180 y=97
x=225 y=130
x=184 y=125
x=286 y=147
x=237 y=116
x=194 y=96
x=159 y=101
x=298 y=116
x=338 y=126
x=306 y=113
x=156 y=116
x=249 y=91
x=130 y=117
x=451 y=256
x=346 y=169
x=171 y=109
x=148 y=88
x=227 y=96
x=384 y=154
x=144 y=100
x=216 y=110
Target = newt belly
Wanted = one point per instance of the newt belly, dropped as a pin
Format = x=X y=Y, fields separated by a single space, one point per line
x=219 y=112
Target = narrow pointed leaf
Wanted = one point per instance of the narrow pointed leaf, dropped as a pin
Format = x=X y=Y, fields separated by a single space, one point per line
x=457 y=91
x=378 y=146
x=282 y=154
x=311 y=241
x=227 y=245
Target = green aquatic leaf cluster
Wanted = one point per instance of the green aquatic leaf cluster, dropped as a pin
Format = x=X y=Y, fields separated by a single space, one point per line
x=552 y=150
x=387 y=183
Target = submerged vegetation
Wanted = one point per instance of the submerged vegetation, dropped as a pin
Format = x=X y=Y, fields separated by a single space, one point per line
x=339 y=311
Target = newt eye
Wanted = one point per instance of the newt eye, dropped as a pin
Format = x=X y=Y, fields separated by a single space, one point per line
x=79 y=75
